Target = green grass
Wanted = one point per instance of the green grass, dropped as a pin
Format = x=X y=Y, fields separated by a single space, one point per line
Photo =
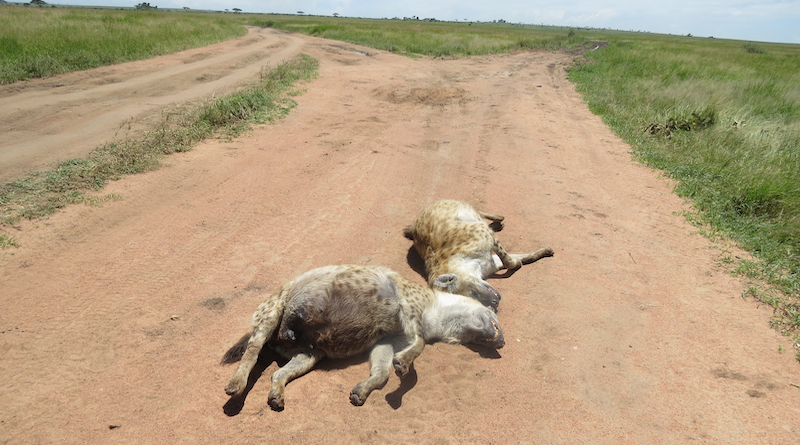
x=41 y=42
x=723 y=119
x=42 y=193
x=427 y=38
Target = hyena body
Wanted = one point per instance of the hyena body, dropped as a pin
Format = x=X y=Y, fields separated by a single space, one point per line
x=452 y=237
x=341 y=311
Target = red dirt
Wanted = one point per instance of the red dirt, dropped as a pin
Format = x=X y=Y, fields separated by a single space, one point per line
x=114 y=318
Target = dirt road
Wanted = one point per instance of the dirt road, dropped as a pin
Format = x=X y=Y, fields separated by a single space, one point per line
x=114 y=318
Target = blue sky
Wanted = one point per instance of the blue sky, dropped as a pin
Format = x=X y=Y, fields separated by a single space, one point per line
x=756 y=20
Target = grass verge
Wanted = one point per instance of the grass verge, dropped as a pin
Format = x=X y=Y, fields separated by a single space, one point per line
x=439 y=39
x=723 y=119
x=41 y=193
x=41 y=42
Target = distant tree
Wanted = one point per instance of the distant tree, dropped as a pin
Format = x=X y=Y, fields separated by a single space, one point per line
x=336 y=14
x=38 y=3
x=237 y=10
x=300 y=12
x=145 y=6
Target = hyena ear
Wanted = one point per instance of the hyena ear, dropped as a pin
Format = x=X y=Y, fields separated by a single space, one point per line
x=448 y=282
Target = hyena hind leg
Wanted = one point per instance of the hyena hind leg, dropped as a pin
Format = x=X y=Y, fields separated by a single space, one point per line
x=380 y=366
x=238 y=381
x=299 y=364
x=496 y=223
x=519 y=259
x=535 y=256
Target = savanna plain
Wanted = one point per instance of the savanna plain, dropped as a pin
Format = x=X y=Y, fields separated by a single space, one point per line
x=154 y=202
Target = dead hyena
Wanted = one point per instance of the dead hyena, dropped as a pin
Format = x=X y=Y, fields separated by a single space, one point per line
x=341 y=311
x=452 y=237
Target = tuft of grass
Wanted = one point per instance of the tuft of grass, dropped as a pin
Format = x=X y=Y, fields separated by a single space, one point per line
x=7 y=241
x=181 y=127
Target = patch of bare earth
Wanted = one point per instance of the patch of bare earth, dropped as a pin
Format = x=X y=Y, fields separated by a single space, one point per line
x=114 y=318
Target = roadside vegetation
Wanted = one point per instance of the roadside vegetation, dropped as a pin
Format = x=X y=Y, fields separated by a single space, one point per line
x=180 y=128
x=720 y=117
x=438 y=39
x=41 y=42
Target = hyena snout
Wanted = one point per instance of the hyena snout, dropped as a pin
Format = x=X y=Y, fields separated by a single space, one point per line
x=471 y=287
x=483 y=292
x=492 y=334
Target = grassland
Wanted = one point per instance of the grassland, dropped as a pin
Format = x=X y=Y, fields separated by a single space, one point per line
x=721 y=117
x=428 y=38
x=40 y=42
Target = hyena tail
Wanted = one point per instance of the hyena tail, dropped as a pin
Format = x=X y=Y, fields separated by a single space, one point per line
x=236 y=351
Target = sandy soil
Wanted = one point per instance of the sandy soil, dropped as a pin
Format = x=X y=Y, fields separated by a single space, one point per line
x=114 y=318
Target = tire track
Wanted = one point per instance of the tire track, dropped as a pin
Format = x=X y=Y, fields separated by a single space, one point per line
x=42 y=126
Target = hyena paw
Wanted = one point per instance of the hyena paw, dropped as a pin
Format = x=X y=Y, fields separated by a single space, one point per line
x=275 y=401
x=235 y=386
x=401 y=368
x=358 y=395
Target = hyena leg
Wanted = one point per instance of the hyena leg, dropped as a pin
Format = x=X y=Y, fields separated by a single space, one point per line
x=491 y=216
x=404 y=359
x=265 y=321
x=238 y=381
x=508 y=261
x=380 y=364
x=497 y=221
x=299 y=364
x=523 y=258
x=529 y=258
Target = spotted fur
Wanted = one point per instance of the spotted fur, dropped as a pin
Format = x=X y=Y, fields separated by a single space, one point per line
x=452 y=237
x=341 y=311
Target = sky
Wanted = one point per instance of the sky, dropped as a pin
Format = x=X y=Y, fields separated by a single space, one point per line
x=750 y=20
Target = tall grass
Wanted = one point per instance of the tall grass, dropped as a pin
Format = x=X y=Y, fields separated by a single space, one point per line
x=41 y=193
x=40 y=42
x=741 y=168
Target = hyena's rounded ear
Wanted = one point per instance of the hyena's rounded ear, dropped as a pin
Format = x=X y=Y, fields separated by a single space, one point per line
x=447 y=281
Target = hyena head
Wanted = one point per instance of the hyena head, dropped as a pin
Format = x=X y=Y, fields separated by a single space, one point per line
x=469 y=286
x=461 y=320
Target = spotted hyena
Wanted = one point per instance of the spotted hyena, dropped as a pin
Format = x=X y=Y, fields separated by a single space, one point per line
x=452 y=237
x=341 y=311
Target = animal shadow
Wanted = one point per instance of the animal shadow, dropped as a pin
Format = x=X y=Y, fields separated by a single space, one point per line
x=416 y=262
x=395 y=398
